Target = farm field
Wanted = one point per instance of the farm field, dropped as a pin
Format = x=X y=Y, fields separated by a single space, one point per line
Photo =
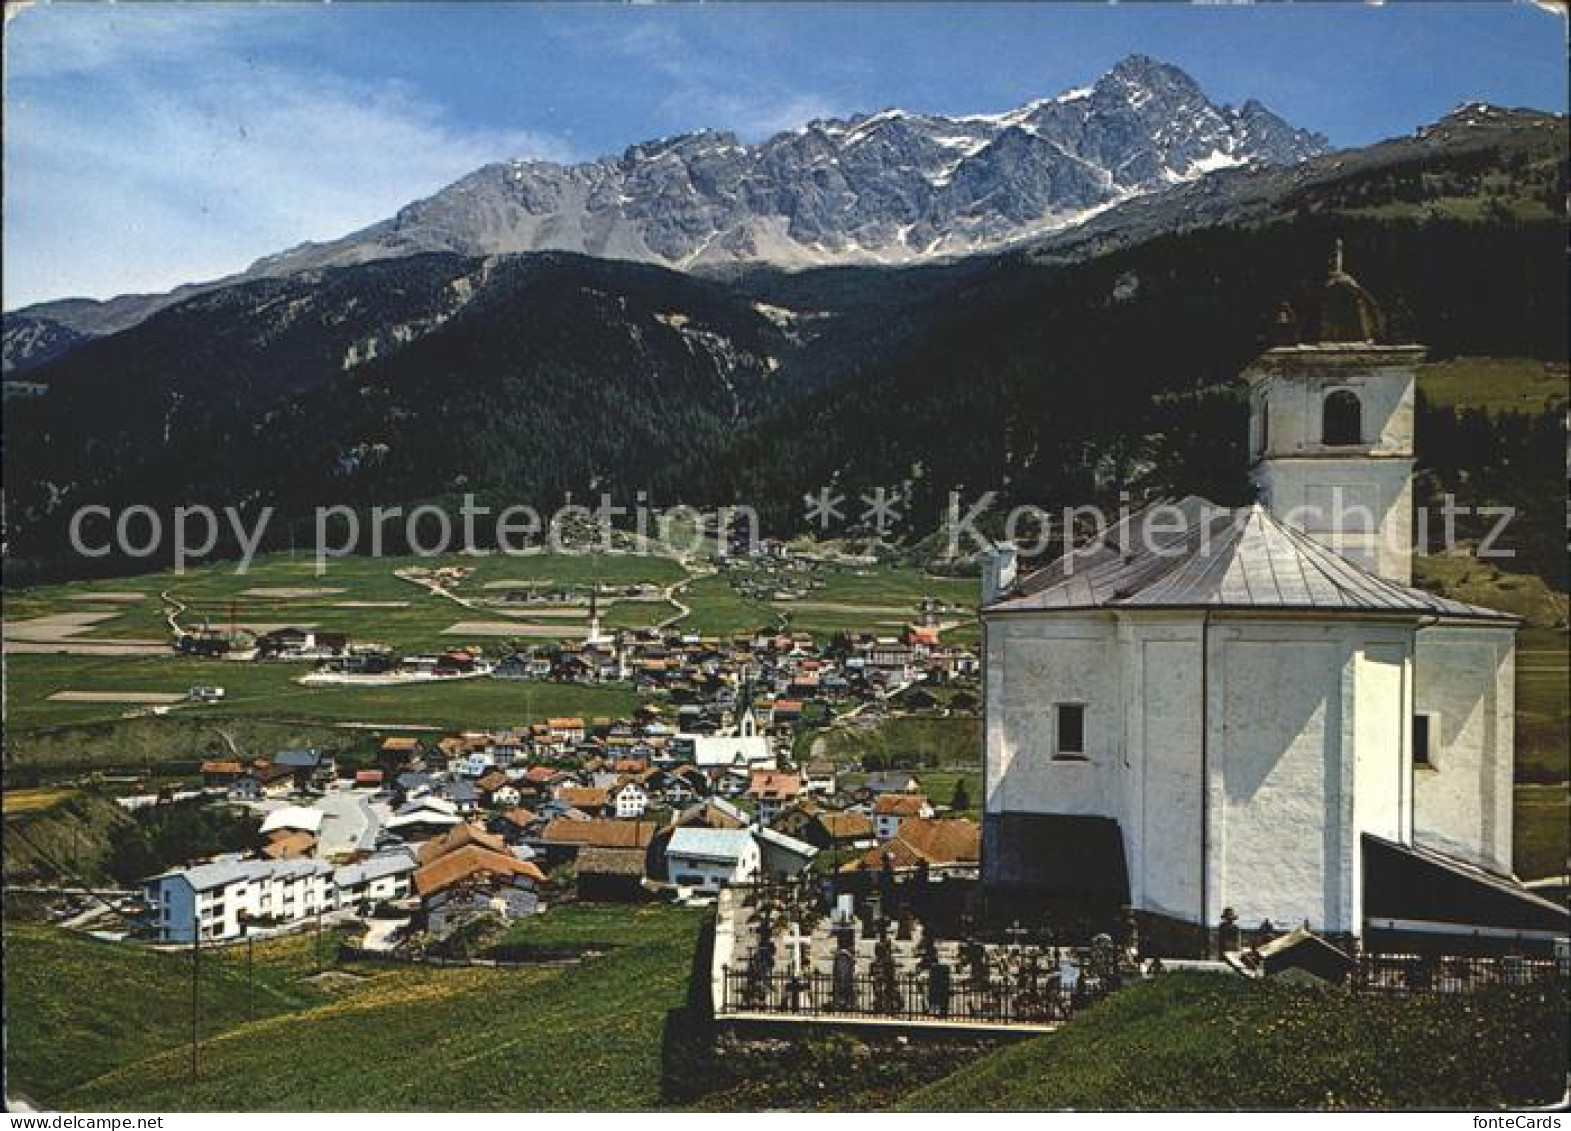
x=16 y=802
x=268 y=691
x=718 y=609
x=363 y=597
x=387 y=1038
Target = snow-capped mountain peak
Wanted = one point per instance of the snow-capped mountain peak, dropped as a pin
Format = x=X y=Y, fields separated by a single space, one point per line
x=890 y=186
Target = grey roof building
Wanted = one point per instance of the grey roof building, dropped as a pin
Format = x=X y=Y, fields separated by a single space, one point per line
x=1194 y=554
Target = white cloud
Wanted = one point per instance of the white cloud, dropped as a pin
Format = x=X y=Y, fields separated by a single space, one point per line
x=701 y=92
x=119 y=179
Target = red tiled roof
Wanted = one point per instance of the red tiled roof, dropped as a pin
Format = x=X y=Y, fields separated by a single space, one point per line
x=584 y=797
x=459 y=836
x=600 y=833
x=952 y=841
x=774 y=785
x=899 y=804
x=471 y=860
x=289 y=845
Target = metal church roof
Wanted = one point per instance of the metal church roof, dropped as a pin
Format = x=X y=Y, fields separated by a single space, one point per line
x=1199 y=555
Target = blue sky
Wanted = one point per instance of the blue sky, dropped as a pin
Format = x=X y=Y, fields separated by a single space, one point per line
x=145 y=147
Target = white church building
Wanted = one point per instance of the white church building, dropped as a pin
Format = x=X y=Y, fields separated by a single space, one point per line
x=1251 y=710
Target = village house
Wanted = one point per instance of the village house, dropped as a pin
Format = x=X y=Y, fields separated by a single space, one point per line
x=412 y=784
x=544 y=781
x=504 y=796
x=568 y=730
x=610 y=875
x=221 y=773
x=474 y=763
x=400 y=750
x=948 y=845
x=713 y=813
x=629 y=800
x=377 y=879
x=890 y=809
x=218 y=900
x=461 y=793
x=425 y=816
x=887 y=781
x=785 y=714
x=586 y=799
x=563 y=838
x=292 y=818
x=770 y=791
x=476 y=878
x=704 y=860
x=289 y=844
x=892 y=660
x=263 y=780
x=781 y=856
x=310 y=768
x=820 y=778
x=722 y=751
x=514 y=824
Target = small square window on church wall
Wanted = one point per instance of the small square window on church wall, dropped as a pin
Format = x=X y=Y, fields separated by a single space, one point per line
x=1423 y=741
x=1069 y=730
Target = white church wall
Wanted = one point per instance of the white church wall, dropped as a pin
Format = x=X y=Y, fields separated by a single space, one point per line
x=1462 y=802
x=1380 y=715
x=1033 y=664
x=1377 y=727
x=1162 y=832
x=1278 y=778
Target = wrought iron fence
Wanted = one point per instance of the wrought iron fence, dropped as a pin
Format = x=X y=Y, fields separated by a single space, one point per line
x=928 y=995
x=1453 y=974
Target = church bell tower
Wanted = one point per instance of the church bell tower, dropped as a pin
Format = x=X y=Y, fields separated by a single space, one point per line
x=1331 y=428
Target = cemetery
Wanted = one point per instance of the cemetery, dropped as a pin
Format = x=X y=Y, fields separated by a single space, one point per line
x=921 y=950
x=910 y=950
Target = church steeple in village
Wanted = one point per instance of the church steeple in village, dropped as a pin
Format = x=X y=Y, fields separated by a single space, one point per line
x=1331 y=426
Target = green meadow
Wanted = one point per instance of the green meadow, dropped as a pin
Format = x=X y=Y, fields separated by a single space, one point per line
x=370 y=1036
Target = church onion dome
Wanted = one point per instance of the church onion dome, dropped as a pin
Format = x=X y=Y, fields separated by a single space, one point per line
x=1348 y=313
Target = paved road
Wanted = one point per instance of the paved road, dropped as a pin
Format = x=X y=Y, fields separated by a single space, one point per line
x=349 y=824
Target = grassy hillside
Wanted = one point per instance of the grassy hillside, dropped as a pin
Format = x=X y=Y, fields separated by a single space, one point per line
x=1495 y=384
x=77 y=1007
x=390 y=1038
x=1207 y=1042
x=64 y=841
x=381 y=1037
x=909 y=742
